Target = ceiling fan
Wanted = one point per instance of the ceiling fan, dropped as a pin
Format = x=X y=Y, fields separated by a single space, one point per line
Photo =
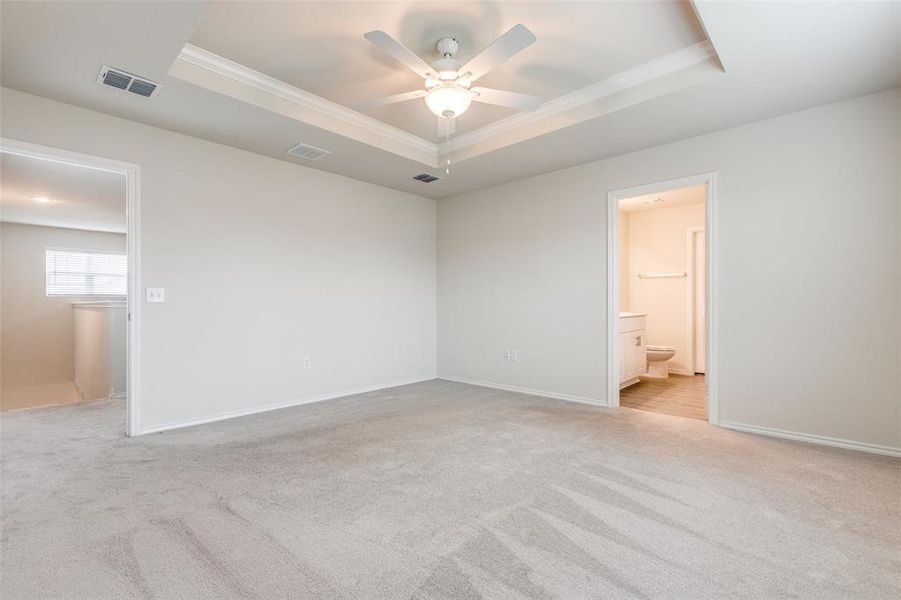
x=448 y=90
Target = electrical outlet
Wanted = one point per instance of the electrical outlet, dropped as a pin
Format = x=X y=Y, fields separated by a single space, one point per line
x=514 y=355
x=506 y=354
x=307 y=363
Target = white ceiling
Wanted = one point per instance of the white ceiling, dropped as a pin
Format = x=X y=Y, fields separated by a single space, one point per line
x=667 y=199
x=319 y=47
x=778 y=57
x=80 y=198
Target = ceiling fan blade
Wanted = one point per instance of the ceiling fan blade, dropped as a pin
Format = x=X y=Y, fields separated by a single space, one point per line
x=401 y=53
x=391 y=99
x=446 y=127
x=508 y=99
x=502 y=49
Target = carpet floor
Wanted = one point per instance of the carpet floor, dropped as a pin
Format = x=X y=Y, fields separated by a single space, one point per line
x=438 y=490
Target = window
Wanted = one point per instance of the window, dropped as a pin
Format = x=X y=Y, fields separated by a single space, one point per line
x=85 y=273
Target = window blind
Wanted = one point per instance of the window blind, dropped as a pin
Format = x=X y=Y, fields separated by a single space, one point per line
x=86 y=273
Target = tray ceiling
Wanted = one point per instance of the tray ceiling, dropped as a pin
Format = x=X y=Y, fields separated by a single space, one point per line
x=319 y=47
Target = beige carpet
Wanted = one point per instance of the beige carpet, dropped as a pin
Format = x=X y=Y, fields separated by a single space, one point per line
x=438 y=490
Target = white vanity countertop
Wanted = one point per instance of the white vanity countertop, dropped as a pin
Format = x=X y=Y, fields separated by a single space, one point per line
x=624 y=315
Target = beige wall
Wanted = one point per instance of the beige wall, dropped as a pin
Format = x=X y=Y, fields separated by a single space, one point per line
x=808 y=257
x=264 y=262
x=36 y=332
x=808 y=271
x=657 y=243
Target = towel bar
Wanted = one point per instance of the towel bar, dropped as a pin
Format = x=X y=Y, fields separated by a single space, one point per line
x=661 y=275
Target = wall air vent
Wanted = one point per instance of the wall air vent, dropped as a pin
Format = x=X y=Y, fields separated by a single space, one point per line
x=127 y=82
x=425 y=178
x=307 y=152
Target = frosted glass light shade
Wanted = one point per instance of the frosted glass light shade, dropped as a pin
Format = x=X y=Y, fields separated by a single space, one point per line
x=448 y=101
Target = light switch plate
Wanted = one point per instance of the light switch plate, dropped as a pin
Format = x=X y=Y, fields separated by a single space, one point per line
x=156 y=295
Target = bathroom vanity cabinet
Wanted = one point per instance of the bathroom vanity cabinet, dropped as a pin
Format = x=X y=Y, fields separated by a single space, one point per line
x=632 y=351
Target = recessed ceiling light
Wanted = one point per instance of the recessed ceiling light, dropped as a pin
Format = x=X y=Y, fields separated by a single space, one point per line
x=42 y=199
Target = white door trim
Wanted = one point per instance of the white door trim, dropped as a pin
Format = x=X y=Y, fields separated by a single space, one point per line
x=132 y=174
x=613 y=198
x=690 y=233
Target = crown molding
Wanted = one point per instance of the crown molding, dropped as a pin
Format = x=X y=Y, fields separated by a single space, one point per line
x=699 y=8
x=327 y=114
x=656 y=69
x=662 y=75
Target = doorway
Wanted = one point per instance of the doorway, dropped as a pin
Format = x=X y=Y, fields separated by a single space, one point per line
x=661 y=302
x=71 y=229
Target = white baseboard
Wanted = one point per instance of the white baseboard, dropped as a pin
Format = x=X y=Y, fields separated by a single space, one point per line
x=624 y=384
x=813 y=439
x=685 y=372
x=280 y=405
x=530 y=392
x=767 y=431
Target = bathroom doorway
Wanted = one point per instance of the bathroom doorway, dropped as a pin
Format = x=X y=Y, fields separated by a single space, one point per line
x=68 y=229
x=660 y=302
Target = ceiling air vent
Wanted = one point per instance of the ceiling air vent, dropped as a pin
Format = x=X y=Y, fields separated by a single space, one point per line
x=307 y=152
x=127 y=82
x=425 y=178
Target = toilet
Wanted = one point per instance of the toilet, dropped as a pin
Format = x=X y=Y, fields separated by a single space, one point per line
x=657 y=361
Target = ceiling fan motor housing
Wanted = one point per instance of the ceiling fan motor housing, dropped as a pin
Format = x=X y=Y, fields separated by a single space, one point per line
x=446 y=69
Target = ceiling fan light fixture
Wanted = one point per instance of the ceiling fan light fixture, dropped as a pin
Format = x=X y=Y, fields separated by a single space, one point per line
x=447 y=82
x=448 y=101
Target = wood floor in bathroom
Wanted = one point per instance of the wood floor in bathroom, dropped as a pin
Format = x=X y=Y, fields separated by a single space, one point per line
x=679 y=396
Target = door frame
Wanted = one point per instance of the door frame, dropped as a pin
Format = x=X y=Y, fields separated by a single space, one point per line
x=132 y=173
x=690 y=233
x=613 y=259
